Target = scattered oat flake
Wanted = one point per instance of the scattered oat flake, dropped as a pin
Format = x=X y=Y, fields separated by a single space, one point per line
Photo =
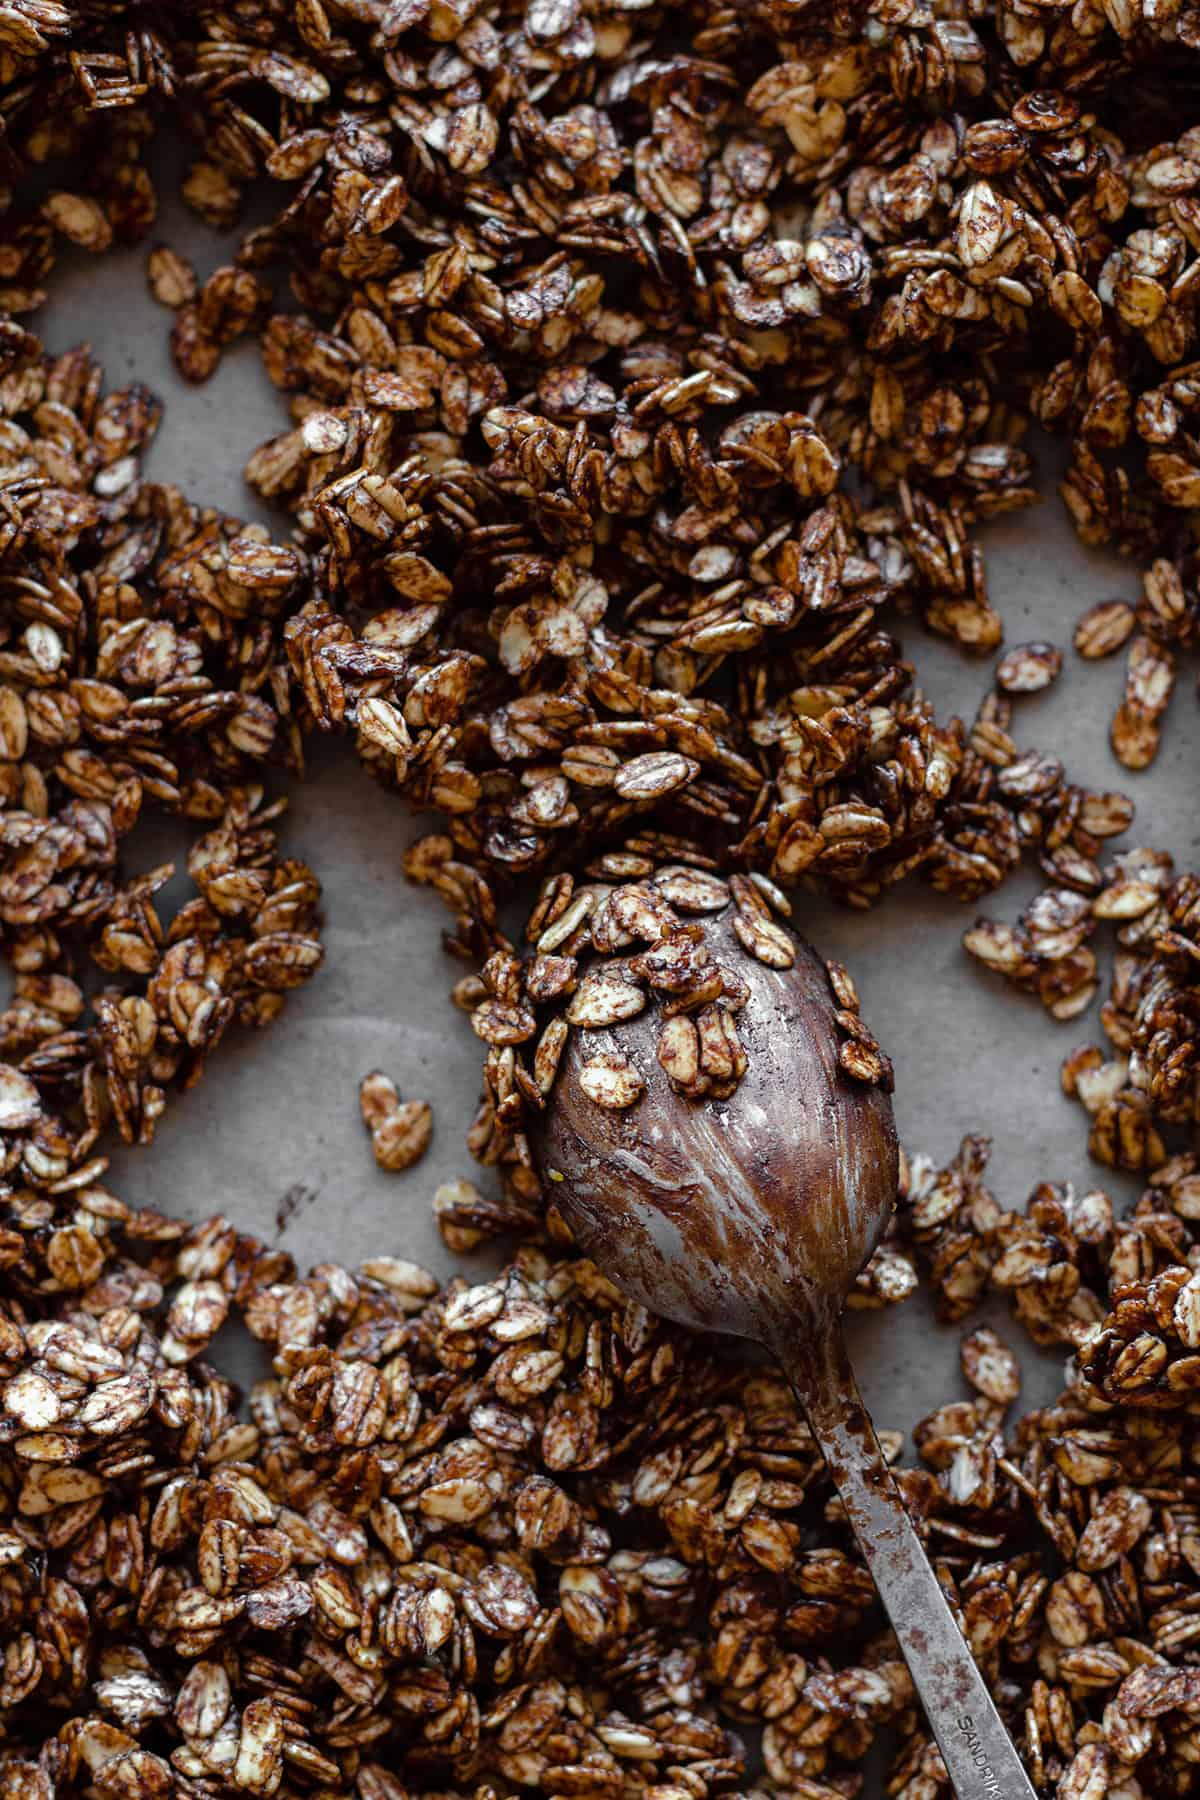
x=401 y=1130
x=20 y=1103
x=80 y=219
x=1028 y=668
x=1104 y=628
x=171 y=276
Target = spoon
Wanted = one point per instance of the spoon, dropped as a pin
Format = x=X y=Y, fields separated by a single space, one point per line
x=751 y=1214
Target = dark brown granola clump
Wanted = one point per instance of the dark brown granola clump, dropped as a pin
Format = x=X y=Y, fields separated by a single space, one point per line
x=597 y=310
x=142 y=670
x=522 y=1533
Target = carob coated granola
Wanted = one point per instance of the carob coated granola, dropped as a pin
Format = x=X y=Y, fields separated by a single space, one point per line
x=521 y=1536
x=643 y=362
x=141 y=635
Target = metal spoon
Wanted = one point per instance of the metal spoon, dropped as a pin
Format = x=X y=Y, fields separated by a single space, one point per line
x=752 y=1215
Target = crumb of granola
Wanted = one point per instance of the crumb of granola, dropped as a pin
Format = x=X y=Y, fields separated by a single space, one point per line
x=401 y=1130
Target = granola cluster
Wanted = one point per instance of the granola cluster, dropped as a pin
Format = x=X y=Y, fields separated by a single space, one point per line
x=563 y=259
x=1148 y=1081
x=521 y=1535
x=142 y=668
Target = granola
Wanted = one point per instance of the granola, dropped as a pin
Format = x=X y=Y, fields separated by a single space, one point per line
x=400 y=1129
x=139 y=671
x=649 y=361
x=508 y=1529
x=570 y=566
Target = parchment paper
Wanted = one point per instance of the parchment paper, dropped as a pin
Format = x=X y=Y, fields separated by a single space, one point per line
x=273 y=1137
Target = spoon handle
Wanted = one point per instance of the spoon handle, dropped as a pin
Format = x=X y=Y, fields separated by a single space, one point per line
x=979 y=1755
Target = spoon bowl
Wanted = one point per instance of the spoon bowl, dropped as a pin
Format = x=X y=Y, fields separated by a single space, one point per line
x=750 y=1215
